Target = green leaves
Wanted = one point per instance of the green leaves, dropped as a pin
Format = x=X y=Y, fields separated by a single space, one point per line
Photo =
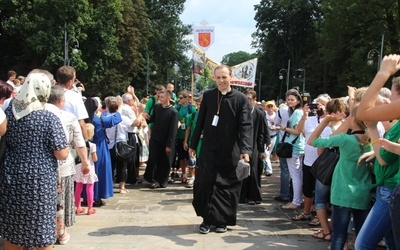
x=114 y=37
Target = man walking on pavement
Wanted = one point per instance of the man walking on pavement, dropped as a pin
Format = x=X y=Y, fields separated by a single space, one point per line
x=225 y=121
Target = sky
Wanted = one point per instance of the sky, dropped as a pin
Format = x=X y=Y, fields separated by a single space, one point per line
x=233 y=21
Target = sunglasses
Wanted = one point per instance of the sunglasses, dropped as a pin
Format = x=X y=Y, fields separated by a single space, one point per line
x=269 y=106
x=181 y=97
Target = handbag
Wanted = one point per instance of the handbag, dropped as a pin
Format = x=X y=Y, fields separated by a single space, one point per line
x=123 y=151
x=325 y=164
x=285 y=149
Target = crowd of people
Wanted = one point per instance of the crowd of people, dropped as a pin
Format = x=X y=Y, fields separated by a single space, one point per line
x=61 y=154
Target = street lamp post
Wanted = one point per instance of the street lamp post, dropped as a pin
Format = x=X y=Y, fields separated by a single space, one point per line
x=66 y=46
x=259 y=87
x=281 y=78
x=371 y=54
x=287 y=78
x=148 y=73
x=302 y=77
x=374 y=52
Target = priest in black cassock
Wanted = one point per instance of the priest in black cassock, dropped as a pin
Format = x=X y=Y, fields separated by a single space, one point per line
x=162 y=141
x=225 y=122
x=251 y=186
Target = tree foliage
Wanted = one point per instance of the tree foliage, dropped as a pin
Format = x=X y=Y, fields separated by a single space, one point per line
x=167 y=42
x=286 y=30
x=236 y=58
x=330 y=39
x=114 y=38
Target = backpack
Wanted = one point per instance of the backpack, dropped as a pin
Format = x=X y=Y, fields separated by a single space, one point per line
x=190 y=108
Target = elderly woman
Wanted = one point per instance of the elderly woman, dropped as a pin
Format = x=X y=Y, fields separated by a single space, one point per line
x=35 y=141
x=65 y=198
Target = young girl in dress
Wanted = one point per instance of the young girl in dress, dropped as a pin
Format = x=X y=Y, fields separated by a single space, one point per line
x=88 y=179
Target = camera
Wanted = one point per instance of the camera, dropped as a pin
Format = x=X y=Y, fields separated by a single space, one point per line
x=313 y=106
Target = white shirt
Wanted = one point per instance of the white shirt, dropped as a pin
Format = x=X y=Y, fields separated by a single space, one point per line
x=381 y=129
x=75 y=105
x=6 y=103
x=11 y=83
x=269 y=117
x=122 y=131
x=310 y=152
x=2 y=116
x=74 y=136
x=282 y=121
x=127 y=111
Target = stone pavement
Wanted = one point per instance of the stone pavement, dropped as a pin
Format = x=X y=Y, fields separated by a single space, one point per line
x=165 y=219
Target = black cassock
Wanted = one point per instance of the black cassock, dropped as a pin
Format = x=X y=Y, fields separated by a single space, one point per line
x=163 y=133
x=251 y=186
x=216 y=189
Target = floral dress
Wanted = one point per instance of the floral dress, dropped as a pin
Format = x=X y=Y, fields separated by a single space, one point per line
x=28 y=179
x=91 y=177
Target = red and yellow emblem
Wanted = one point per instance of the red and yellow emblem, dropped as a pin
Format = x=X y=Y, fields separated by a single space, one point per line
x=204 y=39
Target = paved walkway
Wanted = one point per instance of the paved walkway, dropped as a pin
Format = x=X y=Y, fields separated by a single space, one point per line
x=165 y=219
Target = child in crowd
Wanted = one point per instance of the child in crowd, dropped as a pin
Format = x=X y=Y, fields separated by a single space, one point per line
x=88 y=179
x=351 y=183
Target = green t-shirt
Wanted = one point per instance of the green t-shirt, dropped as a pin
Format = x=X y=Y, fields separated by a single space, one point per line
x=150 y=107
x=386 y=175
x=351 y=183
x=183 y=112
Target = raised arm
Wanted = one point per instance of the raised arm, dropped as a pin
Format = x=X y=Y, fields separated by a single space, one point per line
x=367 y=111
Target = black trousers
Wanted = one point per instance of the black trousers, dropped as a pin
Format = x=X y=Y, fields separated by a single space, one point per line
x=134 y=163
x=119 y=166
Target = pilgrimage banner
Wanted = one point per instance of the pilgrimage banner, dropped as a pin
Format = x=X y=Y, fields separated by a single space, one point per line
x=203 y=68
x=244 y=74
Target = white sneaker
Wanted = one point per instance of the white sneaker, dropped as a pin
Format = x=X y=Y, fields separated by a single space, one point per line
x=190 y=182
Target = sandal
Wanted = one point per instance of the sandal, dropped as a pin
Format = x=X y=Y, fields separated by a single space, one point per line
x=80 y=210
x=63 y=239
x=290 y=205
x=123 y=191
x=301 y=217
x=154 y=186
x=91 y=211
x=315 y=222
x=320 y=235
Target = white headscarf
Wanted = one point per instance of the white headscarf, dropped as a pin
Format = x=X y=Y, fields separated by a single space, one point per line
x=32 y=96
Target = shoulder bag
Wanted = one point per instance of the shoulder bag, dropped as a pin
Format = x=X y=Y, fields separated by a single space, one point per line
x=123 y=151
x=325 y=164
x=285 y=149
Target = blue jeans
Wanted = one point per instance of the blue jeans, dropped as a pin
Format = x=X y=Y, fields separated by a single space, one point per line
x=340 y=222
x=284 y=192
x=322 y=195
x=378 y=224
x=395 y=214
